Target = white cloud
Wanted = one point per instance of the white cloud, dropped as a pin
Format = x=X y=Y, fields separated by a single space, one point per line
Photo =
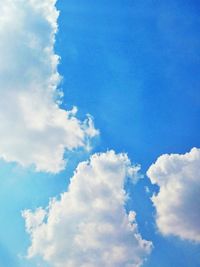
x=33 y=128
x=88 y=226
x=178 y=201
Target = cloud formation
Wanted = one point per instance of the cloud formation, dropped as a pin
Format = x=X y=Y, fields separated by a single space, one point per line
x=33 y=128
x=178 y=201
x=89 y=226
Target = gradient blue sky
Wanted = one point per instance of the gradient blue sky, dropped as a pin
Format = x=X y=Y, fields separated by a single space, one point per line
x=134 y=66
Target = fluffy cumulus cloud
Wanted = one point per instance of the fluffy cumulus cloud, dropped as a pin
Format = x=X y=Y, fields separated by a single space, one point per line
x=178 y=201
x=33 y=128
x=89 y=226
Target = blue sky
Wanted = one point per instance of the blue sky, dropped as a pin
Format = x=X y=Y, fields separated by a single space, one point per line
x=132 y=65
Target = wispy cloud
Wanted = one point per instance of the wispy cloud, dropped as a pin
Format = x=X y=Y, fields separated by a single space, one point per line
x=33 y=128
x=178 y=201
x=88 y=225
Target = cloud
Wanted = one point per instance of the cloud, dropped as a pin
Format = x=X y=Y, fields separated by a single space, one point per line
x=178 y=201
x=34 y=129
x=89 y=226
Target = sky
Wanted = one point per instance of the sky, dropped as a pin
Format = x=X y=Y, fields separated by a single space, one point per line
x=99 y=133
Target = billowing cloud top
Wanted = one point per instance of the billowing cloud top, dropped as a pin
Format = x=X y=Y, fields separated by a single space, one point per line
x=89 y=226
x=178 y=201
x=33 y=128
